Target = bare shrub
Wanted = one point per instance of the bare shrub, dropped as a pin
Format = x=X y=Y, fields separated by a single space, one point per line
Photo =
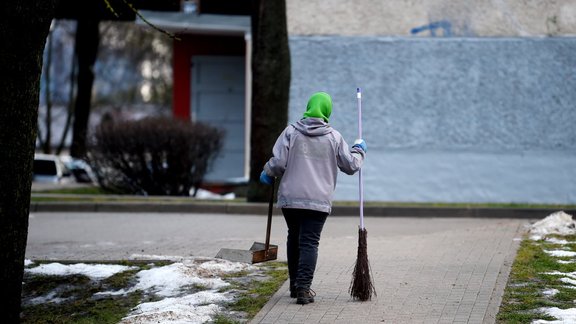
x=153 y=156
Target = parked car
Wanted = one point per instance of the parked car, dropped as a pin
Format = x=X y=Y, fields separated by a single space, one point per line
x=81 y=170
x=49 y=168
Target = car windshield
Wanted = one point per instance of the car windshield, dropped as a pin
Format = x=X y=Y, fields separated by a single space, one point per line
x=45 y=167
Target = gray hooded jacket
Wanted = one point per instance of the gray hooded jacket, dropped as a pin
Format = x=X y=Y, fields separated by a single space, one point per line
x=307 y=155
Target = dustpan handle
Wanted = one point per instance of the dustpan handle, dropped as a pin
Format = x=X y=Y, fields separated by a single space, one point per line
x=269 y=225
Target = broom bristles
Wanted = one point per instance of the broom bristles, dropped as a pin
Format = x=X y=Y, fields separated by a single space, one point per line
x=361 y=287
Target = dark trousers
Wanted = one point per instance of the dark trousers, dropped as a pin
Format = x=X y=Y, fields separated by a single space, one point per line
x=304 y=229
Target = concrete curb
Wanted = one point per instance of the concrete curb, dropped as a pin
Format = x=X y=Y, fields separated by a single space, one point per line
x=262 y=209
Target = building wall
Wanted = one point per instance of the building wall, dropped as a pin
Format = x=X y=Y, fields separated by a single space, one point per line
x=464 y=101
x=450 y=119
x=426 y=17
x=505 y=94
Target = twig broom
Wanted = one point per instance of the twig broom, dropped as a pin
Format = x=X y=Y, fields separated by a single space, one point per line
x=361 y=287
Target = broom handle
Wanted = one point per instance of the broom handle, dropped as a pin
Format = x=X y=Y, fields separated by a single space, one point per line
x=269 y=223
x=360 y=182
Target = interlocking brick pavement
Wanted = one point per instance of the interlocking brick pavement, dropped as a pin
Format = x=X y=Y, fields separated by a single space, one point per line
x=436 y=270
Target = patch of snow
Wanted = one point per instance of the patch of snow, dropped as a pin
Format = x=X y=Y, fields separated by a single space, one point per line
x=550 y=292
x=220 y=267
x=560 y=253
x=166 y=281
x=93 y=271
x=195 y=308
x=563 y=315
x=205 y=194
x=28 y=262
x=569 y=277
x=556 y=223
x=568 y=281
x=566 y=262
x=169 y=280
x=49 y=298
x=558 y=273
x=554 y=240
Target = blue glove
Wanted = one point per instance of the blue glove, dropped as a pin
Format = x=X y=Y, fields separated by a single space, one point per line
x=266 y=179
x=359 y=143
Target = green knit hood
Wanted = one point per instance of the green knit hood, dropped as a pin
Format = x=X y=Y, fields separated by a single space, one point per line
x=319 y=106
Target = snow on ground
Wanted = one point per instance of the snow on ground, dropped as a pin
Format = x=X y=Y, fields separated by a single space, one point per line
x=550 y=292
x=554 y=240
x=569 y=281
x=169 y=282
x=568 y=278
x=560 y=253
x=93 y=271
x=49 y=298
x=558 y=223
x=563 y=315
x=205 y=194
x=566 y=274
x=195 y=308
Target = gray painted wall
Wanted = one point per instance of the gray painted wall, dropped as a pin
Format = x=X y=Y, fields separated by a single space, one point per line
x=450 y=119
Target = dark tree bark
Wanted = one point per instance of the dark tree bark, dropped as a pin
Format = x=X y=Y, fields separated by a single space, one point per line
x=70 y=110
x=23 y=30
x=87 y=41
x=270 y=87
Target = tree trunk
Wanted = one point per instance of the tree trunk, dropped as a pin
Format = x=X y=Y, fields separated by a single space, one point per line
x=270 y=87
x=87 y=40
x=24 y=26
x=70 y=109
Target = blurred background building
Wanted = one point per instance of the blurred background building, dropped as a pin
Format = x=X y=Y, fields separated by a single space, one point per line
x=463 y=101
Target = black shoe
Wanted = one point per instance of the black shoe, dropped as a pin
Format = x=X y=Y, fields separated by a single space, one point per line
x=305 y=296
x=293 y=292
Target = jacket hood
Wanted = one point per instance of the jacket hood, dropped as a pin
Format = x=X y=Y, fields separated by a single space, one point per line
x=319 y=106
x=313 y=126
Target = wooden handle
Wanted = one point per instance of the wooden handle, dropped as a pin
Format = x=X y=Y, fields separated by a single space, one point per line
x=269 y=225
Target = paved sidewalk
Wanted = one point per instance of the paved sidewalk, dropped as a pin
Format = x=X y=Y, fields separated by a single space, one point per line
x=426 y=270
x=433 y=270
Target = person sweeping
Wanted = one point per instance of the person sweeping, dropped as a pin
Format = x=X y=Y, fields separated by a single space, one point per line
x=307 y=155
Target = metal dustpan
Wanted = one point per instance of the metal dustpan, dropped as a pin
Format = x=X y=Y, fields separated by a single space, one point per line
x=259 y=252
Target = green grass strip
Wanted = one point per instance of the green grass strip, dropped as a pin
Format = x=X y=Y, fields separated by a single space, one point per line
x=523 y=296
